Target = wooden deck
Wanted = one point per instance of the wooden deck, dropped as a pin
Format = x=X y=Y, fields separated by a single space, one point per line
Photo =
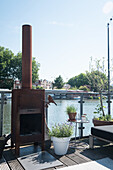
x=73 y=157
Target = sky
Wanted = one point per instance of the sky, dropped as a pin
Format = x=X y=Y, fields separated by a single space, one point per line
x=65 y=33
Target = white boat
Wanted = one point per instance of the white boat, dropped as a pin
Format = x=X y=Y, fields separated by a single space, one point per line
x=76 y=97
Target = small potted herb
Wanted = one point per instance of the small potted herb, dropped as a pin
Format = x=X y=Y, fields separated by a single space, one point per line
x=60 y=135
x=71 y=111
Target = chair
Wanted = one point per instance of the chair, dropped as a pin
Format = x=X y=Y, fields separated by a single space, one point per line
x=104 y=133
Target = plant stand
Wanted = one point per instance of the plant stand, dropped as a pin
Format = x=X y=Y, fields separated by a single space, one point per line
x=76 y=144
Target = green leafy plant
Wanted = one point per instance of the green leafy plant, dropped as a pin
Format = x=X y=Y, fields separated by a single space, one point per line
x=39 y=87
x=71 y=109
x=98 y=111
x=61 y=130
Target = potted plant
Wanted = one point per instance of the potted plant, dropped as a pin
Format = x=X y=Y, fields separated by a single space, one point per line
x=71 y=111
x=101 y=119
x=60 y=135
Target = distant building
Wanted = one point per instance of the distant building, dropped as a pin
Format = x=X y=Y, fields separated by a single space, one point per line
x=17 y=84
x=45 y=84
x=67 y=86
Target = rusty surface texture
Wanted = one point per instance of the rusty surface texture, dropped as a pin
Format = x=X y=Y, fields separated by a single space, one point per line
x=27 y=121
x=26 y=57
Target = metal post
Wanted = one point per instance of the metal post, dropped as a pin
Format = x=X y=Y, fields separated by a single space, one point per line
x=81 y=113
x=46 y=109
x=108 y=71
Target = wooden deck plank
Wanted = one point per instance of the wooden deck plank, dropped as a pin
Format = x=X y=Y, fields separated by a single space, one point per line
x=65 y=160
x=3 y=164
x=73 y=157
x=78 y=152
x=76 y=158
x=12 y=161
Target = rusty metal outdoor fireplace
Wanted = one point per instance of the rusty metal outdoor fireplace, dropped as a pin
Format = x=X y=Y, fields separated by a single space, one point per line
x=28 y=119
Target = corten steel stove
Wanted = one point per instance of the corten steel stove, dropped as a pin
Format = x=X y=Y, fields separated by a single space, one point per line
x=27 y=104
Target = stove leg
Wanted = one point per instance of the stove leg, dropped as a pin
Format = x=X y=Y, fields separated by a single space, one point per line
x=43 y=146
x=36 y=143
x=91 y=142
x=17 y=149
x=12 y=144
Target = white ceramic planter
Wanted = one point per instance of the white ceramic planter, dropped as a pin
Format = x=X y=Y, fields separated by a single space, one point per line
x=60 y=145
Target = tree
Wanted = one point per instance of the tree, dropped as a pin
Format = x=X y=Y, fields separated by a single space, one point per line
x=35 y=69
x=79 y=80
x=17 y=71
x=11 y=68
x=6 y=56
x=84 y=88
x=6 y=80
x=98 y=80
x=17 y=66
x=58 y=82
x=72 y=82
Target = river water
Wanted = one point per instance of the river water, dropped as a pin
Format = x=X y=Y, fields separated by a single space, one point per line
x=57 y=114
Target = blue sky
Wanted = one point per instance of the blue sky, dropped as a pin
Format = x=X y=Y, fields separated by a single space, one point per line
x=66 y=33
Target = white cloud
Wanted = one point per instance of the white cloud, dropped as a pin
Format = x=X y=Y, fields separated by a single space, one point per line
x=108 y=7
x=60 y=23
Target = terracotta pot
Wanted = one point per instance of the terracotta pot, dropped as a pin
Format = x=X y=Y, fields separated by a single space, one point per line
x=72 y=116
x=101 y=122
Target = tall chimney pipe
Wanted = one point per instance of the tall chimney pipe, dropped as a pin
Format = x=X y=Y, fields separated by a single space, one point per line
x=26 y=57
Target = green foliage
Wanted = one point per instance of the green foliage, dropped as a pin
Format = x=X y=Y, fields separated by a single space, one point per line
x=11 y=68
x=90 y=97
x=97 y=80
x=17 y=66
x=73 y=88
x=38 y=87
x=98 y=111
x=105 y=118
x=35 y=69
x=72 y=82
x=84 y=88
x=78 y=81
x=61 y=130
x=6 y=57
x=58 y=82
x=33 y=87
x=71 y=109
x=6 y=83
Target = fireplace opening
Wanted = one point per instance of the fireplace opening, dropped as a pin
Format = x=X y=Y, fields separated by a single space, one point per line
x=30 y=124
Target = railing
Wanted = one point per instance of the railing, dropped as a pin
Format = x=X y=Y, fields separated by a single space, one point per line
x=2 y=102
x=59 y=94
